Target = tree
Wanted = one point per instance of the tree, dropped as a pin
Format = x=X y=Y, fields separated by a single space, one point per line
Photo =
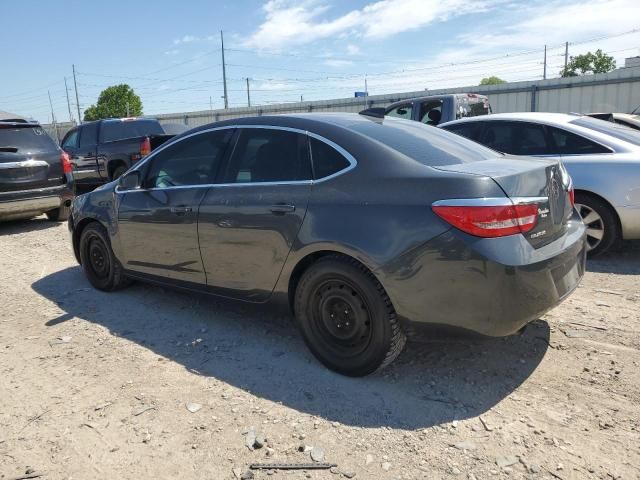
x=598 y=62
x=113 y=102
x=493 y=80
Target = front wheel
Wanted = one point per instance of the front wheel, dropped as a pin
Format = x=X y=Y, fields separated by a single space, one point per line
x=347 y=319
x=102 y=268
x=602 y=227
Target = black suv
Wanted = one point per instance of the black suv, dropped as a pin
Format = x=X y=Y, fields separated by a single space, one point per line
x=35 y=174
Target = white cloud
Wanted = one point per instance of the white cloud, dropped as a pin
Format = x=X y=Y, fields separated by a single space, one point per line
x=337 y=63
x=290 y=22
x=353 y=49
x=185 y=39
x=173 y=51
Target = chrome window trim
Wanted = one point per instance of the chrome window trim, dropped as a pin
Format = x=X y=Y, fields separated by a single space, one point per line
x=488 y=201
x=350 y=158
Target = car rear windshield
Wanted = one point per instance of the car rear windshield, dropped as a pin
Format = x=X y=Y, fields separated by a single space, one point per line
x=121 y=129
x=614 y=130
x=472 y=106
x=425 y=144
x=25 y=138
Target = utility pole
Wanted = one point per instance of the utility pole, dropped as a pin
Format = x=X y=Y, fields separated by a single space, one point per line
x=66 y=90
x=544 y=72
x=248 y=94
x=366 y=91
x=301 y=99
x=224 y=73
x=75 y=85
x=566 y=55
x=210 y=103
x=127 y=108
x=53 y=117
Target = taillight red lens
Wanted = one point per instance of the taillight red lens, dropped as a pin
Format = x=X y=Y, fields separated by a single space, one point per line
x=572 y=196
x=490 y=221
x=66 y=163
x=145 y=147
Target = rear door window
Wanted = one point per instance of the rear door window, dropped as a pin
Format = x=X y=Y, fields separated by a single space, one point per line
x=470 y=130
x=121 y=129
x=268 y=155
x=401 y=111
x=89 y=135
x=326 y=159
x=517 y=138
x=568 y=143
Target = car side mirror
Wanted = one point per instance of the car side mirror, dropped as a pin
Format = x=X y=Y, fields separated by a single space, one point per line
x=130 y=180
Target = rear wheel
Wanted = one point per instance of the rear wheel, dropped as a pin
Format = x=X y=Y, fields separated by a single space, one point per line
x=602 y=226
x=102 y=268
x=117 y=173
x=60 y=214
x=346 y=318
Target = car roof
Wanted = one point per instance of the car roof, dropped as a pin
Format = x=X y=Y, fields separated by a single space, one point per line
x=544 y=117
x=433 y=97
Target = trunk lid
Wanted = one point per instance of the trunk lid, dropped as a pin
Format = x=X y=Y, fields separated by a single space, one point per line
x=542 y=181
x=29 y=158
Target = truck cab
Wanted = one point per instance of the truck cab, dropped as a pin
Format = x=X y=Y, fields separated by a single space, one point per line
x=436 y=109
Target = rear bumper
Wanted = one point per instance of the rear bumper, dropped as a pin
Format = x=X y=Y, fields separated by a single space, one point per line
x=24 y=203
x=490 y=286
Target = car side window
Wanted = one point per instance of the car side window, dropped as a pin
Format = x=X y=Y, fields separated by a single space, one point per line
x=89 y=135
x=431 y=112
x=529 y=139
x=402 y=111
x=268 y=155
x=71 y=140
x=191 y=161
x=568 y=143
x=497 y=135
x=470 y=130
x=326 y=159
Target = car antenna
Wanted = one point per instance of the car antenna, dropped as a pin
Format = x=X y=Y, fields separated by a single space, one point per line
x=376 y=112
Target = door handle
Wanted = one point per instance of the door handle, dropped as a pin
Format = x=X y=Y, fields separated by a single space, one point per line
x=180 y=210
x=282 y=208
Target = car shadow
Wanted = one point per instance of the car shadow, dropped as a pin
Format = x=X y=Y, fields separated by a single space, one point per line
x=624 y=260
x=12 y=227
x=436 y=380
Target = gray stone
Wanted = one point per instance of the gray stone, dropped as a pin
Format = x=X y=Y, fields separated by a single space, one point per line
x=386 y=466
x=506 y=461
x=193 y=407
x=465 y=445
x=317 y=454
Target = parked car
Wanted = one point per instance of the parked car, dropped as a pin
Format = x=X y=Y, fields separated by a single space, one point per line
x=103 y=150
x=602 y=158
x=436 y=109
x=627 y=119
x=35 y=174
x=364 y=226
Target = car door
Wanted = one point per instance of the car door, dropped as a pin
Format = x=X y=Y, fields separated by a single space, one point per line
x=401 y=111
x=82 y=153
x=158 y=223
x=249 y=221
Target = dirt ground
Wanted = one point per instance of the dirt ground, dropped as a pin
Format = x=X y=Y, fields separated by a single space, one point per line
x=149 y=383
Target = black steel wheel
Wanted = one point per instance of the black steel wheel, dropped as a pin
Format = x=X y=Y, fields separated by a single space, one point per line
x=346 y=317
x=102 y=268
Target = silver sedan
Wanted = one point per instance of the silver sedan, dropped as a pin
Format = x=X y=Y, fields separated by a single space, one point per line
x=603 y=159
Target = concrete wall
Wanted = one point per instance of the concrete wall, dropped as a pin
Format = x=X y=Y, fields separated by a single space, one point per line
x=617 y=91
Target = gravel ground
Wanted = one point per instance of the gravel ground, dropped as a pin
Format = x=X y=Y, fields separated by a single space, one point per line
x=153 y=383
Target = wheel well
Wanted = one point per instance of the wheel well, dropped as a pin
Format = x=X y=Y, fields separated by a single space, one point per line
x=77 y=232
x=309 y=260
x=607 y=204
x=112 y=165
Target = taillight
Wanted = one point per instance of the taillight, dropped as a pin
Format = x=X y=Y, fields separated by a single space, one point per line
x=572 y=196
x=488 y=220
x=145 y=147
x=66 y=163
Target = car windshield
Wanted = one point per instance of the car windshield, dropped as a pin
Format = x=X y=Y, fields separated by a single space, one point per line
x=26 y=138
x=427 y=145
x=614 y=130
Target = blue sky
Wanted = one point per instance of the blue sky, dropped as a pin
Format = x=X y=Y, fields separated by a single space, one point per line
x=169 y=52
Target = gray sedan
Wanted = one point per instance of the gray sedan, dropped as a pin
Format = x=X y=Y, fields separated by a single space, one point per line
x=360 y=225
x=603 y=159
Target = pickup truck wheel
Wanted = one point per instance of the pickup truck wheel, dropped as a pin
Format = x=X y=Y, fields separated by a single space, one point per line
x=60 y=214
x=102 y=268
x=347 y=319
x=117 y=173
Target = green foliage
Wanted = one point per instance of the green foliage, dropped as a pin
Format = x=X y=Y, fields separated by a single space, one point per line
x=112 y=103
x=598 y=62
x=493 y=80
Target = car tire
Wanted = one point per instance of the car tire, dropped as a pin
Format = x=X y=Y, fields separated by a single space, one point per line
x=601 y=222
x=117 y=173
x=60 y=214
x=347 y=319
x=100 y=265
